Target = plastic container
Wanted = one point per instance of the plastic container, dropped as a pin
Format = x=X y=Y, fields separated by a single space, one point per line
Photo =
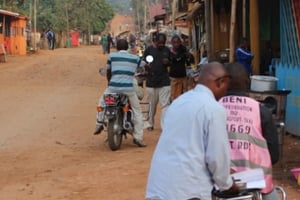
x=260 y=83
x=295 y=172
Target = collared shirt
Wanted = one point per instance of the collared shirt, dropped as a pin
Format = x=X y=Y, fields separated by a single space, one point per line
x=192 y=153
x=123 y=66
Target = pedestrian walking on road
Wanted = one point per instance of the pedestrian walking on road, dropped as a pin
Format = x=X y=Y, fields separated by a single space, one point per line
x=50 y=36
x=158 y=81
x=104 y=43
x=179 y=61
x=109 y=42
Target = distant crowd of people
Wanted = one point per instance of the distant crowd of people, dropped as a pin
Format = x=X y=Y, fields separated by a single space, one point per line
x=107 y=40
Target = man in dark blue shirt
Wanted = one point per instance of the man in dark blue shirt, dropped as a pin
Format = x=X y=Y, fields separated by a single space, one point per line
x=244 y=56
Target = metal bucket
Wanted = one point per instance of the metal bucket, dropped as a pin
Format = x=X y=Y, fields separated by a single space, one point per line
x=261 y=83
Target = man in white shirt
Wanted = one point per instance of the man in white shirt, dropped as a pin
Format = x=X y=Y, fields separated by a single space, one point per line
x=192 y=154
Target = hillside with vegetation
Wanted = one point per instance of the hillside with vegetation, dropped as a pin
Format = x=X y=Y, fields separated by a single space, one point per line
x=122 y=7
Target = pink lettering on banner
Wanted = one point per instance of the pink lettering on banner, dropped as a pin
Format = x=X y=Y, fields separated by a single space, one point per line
x=238 y=128
x=240 y=113
x=234 y=99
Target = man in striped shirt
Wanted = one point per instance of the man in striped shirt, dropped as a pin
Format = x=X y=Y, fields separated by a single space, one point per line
x=121 y=67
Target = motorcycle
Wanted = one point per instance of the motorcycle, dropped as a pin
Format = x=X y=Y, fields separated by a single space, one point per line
x=118 y=116
x=250 y=183
x=247 y=194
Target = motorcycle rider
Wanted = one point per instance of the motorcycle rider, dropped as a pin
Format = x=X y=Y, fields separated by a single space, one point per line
x=121 y=67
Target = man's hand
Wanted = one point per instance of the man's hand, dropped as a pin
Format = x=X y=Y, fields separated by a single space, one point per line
x=234 y=189
x=147 y=67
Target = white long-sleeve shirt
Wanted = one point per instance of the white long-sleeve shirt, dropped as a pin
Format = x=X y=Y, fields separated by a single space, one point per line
x=192 y=153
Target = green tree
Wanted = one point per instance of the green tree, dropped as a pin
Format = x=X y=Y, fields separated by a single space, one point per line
x=89 y=16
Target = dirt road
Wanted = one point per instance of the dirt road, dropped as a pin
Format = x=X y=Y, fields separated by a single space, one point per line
x=47 y=149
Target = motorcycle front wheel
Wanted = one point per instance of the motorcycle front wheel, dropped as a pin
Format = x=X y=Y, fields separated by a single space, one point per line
x=114 y=130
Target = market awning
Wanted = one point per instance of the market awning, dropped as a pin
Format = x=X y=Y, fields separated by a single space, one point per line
x=181 y=16
x=9 y=13
x=183 y=30
x=123 y=33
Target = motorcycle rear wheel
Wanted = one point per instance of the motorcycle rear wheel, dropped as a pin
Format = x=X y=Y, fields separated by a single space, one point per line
x=114 y=130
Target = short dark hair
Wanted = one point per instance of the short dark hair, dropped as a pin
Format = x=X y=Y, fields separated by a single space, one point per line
x=175 y=37
x=161 y=36
x=240 y=80
x=122 y=44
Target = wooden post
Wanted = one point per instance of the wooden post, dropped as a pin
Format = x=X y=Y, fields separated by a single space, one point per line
x=173 y=13
x=146 y=6
x=212 y=30
x=254 y=35
x=3 y=54
x=34 y=26
x=208 y=28
x=244 y=18
x=232 y=29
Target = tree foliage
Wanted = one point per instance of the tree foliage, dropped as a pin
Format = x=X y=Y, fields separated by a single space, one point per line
x=88 y=16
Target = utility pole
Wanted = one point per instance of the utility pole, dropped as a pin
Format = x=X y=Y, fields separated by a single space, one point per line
x=34 y=26
x=173 y=13
x=30 y=24
x=146 y=5
x=232 y=28
x=138 y=7
x=254 y=35
x=67 y=16
x=208 y=28
x=244 y=18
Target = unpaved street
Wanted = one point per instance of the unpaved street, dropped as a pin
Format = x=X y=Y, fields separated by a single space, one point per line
x=47 y=149
x=47 y=117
